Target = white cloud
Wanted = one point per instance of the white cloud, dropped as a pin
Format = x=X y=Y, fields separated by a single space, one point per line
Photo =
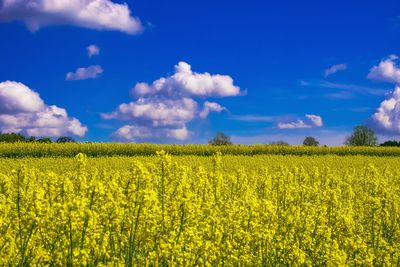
x=162 y=110
x=311 y=121
x=18 y=98
x=92 y=14
x=185 y=82
x=315 y=120
x=156 y=112
x=210 y=107
x=35 y=117
x=93 y=50
x=91 y=72
x=334 y=69
x=386 y=119
x=299 y=124
x=386 y=71
x=133 y=133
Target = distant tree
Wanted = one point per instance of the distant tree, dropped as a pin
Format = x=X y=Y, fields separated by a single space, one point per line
x=65 y=139
x=279 y=143
x=45 y=140
x=310 y=141
x=220 y=139
x=390 y=143
x=362 y=136
x=31 y=139
x=11 y=137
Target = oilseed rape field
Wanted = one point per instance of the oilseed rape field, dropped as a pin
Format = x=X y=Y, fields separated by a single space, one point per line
x=171 y=209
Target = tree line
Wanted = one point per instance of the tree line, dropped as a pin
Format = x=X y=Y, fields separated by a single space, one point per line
x=361 y=136
x=16 y=137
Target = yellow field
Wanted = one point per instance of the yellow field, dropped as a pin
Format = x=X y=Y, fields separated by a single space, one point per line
x=194 y=210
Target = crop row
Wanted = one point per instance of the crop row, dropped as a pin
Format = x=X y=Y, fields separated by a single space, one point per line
x=20 y=150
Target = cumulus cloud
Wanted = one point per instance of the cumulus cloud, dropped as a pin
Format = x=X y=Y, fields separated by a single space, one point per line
x=185 y=82
x=93 y=50
x=334 y=69
x=309 y=122
x=386 y=71
x=91 y=72
x=386 y=119
x=315 y=120
x=23 y=111
x=17 y=98
x=133 y=133
x=162 y=110
x=156 y=112
x=210 y=107
x=91 y=14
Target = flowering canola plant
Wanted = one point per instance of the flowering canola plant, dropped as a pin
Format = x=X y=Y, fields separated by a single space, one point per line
x=161 y=212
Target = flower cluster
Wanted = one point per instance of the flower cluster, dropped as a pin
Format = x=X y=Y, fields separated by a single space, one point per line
x=189 y=211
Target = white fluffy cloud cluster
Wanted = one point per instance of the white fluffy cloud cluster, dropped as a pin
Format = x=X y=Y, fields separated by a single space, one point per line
x=92 y=14
x=386 y=118
x=156 y=112
x=185 y=82
x=309 y=122
x=386 y=71
x=163 y=109
x=133 y=133
x=91 y=72
x=23 y=111
x=17 y=98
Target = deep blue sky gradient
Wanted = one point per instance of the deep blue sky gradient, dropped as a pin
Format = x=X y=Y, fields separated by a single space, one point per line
x=267 y=47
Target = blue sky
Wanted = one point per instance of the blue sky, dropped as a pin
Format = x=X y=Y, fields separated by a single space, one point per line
x=276 y=70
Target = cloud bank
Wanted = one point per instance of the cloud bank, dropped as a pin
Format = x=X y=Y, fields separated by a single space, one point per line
x=156 y=112
x=129 y=133
x=161 y=110
x=23 y=111
x=91 y=72
x=91 y=14
x=386 y=119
